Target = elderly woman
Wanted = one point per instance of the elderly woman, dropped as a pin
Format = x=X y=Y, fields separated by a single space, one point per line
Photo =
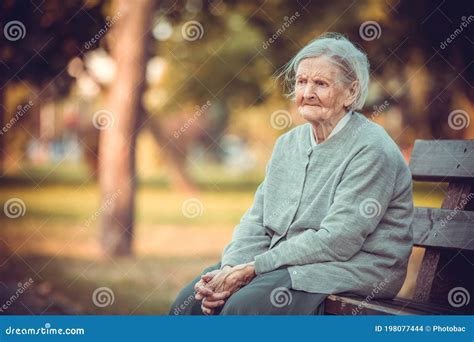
x=333 y=213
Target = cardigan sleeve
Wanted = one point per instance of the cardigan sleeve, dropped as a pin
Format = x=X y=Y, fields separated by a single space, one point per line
x=360 y=201
x=250 y=237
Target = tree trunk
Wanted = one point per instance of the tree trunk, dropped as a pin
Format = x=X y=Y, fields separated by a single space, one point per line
x=180 y=179
x=118 y=134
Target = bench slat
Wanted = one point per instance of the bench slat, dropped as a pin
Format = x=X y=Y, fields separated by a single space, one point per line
x=433 y=227
x=443 y=161
x=342 y=305
x=443 y=269
x=339 y=305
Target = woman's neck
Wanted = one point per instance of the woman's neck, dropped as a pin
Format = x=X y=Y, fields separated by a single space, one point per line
x=322 y=129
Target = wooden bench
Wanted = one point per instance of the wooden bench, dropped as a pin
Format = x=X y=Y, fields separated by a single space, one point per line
x=445 y=281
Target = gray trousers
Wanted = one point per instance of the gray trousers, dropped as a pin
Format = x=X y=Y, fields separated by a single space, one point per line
x=267 y=294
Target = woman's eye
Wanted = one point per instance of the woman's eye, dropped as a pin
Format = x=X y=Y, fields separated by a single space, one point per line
x=321 y=83
x=300 y=82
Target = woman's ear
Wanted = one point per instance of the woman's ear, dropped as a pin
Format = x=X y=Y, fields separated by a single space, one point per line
x=353 y=93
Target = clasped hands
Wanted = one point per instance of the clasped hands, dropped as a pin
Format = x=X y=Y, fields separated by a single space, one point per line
x=217 y=286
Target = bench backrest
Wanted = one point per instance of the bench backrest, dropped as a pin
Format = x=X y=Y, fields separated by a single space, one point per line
x=446 y=275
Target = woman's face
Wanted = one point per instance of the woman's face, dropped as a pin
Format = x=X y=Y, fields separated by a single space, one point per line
x=320 y=95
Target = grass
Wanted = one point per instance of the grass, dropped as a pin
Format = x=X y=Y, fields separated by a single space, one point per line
x=52 y=244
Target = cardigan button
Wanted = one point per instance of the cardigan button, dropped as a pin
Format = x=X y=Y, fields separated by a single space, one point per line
x=294 y=272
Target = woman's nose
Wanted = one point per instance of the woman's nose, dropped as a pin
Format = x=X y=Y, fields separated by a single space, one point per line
x=308 y=93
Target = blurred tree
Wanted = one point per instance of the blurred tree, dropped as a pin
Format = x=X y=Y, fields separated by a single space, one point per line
x=37 y=42
x=211 y=61
x=118 y=140
x=427 y=25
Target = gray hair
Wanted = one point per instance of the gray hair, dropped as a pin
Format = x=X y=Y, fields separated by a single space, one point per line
x=339 y=50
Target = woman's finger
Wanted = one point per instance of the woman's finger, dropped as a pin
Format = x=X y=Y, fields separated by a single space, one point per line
x=198 y=285
x=205 y=310
x=218 y=296
x=207 y=277
x=202 y=293
x=213 y=304
x=205 y=291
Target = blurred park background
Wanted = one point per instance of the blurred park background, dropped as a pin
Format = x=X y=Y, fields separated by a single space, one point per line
x=133 y=134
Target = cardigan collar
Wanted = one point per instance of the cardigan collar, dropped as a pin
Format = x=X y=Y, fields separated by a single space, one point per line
x=340 y=125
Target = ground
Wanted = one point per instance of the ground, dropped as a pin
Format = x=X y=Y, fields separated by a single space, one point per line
x=54 y=246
